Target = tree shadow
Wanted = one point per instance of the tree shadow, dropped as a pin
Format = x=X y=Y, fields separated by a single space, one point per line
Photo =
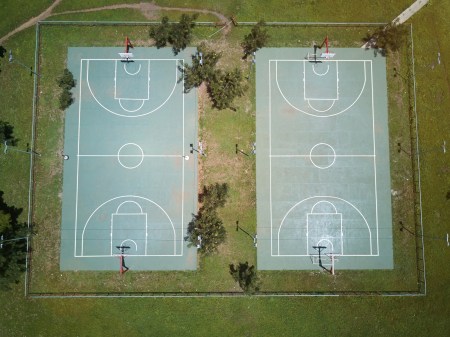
x=7 y=133
x=14 y=212
x=2 y=51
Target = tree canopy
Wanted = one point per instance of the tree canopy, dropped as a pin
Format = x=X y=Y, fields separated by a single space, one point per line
x=246 y=276
x=66 y=82
x=202 y=68
x=161 y=32
x=181 y=33
x=387 y=38
x=225 y=87
x=12 y=244
x=207 y=224
x=257 y=39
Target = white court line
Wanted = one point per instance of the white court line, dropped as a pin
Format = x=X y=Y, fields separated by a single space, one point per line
x=310 y=114
x=129 y=110
x=320 y=99
x=133 y=155
x=127 y=196
x=183 y=168
x=270 y=163
x=317 y=110
x=322 y=74
x=134 y=255
x=78 y=161
x=280 y=156
x=322 y=155
x=162 y=156
x=134 y=116
x=132 y=74
x=374 y=159
x=342 y=255
x=323 y=202
x=330 y=197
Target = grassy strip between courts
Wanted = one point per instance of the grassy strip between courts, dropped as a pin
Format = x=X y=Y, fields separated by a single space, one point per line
x=220 y=131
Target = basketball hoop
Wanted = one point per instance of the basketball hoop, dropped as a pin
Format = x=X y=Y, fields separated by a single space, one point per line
x=126 y=57
x=327 y=55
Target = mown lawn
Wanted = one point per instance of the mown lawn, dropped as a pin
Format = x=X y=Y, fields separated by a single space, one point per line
x=14 y=13
x=365 y=316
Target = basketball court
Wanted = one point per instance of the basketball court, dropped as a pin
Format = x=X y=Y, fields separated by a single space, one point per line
x=323 y=180
x=130 y=181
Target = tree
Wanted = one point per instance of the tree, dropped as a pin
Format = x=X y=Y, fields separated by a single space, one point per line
x=161 y=33
x=225 y=87
x=181 y=33
x=66 y=82
x=246 y=276
x=65 y=99
x=209 y=227
x=194 y=75
x=213 y=196
x=388 y=38
x=12 y=246
x=206 y=224
x=257 y=39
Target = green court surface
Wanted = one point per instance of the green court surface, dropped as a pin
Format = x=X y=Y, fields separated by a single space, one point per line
x=130 y=180
x=323 y=175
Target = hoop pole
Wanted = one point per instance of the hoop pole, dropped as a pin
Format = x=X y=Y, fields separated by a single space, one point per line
x=121 y=264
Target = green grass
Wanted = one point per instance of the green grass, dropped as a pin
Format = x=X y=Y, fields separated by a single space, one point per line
x=367 y=316
x=14 y=13
x=220 y=131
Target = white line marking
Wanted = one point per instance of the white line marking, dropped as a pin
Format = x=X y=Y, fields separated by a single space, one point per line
x=270 y=158
x=78 y=159
x=129 y=110
x=133 y=155
x=322 y=74
x=140 y=156
x=374 y=158
x=322 y=155
x=134 y=116
x=310 y=114
x=332 y=155
x=128 y=202
x=126 y=196
x=136 y=255
x=316 y=109
x=132 y=74
x=330 y=197
x=183 y=167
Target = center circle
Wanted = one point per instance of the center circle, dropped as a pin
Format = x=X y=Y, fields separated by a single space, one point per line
x=130 y=155
x=322 y=155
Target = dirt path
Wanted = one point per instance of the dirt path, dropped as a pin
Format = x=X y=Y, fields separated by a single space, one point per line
x=44 y=15
x=149 y=10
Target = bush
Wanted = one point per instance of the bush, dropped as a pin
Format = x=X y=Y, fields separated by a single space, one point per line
x=65 y=99
x=246 y=276
x=66 y=82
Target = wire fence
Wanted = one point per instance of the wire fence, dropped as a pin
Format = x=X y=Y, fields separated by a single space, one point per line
x=414 y=127
x=420 y=254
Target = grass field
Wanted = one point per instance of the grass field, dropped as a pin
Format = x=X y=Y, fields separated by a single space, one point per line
x=390 y=316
